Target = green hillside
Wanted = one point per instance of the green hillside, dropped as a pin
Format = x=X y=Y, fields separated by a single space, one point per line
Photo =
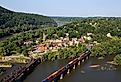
x=15 y=22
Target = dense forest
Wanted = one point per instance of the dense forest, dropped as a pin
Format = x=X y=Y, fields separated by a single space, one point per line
x=15 y=22
x=99 y=27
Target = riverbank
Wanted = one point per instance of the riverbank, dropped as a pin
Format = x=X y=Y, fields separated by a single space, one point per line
x=5 y=65
x=80 y=74
x=7 y=61
x=112 y=62
x=70 y=52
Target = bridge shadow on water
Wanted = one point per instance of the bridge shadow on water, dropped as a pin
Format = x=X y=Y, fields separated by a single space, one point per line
x=44 y=69
x=104 y=72
x=86 y=72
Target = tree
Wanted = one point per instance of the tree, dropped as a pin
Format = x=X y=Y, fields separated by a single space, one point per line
x=117 y=59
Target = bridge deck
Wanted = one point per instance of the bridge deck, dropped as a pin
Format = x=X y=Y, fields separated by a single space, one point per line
x=54 y=76
x=20 y=71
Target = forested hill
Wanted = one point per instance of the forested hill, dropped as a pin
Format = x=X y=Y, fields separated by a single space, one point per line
x=3 y=10
x=14 y=22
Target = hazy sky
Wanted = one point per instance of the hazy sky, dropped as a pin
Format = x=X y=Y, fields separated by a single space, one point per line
x=66 y=7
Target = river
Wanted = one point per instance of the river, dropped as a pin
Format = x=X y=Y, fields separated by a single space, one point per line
x=84 y=73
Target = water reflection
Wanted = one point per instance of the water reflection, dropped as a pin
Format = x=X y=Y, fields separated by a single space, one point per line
x=102 y=73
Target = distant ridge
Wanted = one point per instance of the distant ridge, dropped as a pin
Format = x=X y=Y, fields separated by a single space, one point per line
x=4 y=10
x=14 y=22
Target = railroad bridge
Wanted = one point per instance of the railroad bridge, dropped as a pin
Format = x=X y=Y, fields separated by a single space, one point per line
x=59 y=74
x=21 y=71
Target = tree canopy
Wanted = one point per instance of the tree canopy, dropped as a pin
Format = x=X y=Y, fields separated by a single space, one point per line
x=15 y=22
x=98 y=27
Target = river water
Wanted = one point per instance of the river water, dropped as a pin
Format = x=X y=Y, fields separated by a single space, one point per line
x=84 y=73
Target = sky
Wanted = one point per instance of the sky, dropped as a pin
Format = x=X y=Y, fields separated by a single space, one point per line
x=70 y=8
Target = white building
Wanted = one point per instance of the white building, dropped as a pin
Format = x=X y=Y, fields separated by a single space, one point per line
x=109 y=35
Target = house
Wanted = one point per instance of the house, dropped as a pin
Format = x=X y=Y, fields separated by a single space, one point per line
x=70 y=43
x=43 y=48
x=87 y=38
x=28 y=42
x=88 y=34
x=74 y=39
x=109 y=35
x=82 y=40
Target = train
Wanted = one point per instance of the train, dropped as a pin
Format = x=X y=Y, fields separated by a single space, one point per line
x=57 y=73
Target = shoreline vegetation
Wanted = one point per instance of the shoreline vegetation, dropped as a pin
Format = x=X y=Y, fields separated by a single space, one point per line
x=70 y=52
x=5 y=66
x=9 y=61
x=15 y=22
x=112 y=62
x=103 y=33
x=100 y=47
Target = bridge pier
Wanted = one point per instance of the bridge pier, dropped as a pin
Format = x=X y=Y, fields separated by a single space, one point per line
x=88 y=56
x=71 y=68
x=79 y=63
x=74 y=67
x=83 y=60
x=28 y=69
x=37 y=62
x=68 y=71
x=76 y=63
x=62 y=76
x=68 y=68
x=56 y=79
x=20 y=78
